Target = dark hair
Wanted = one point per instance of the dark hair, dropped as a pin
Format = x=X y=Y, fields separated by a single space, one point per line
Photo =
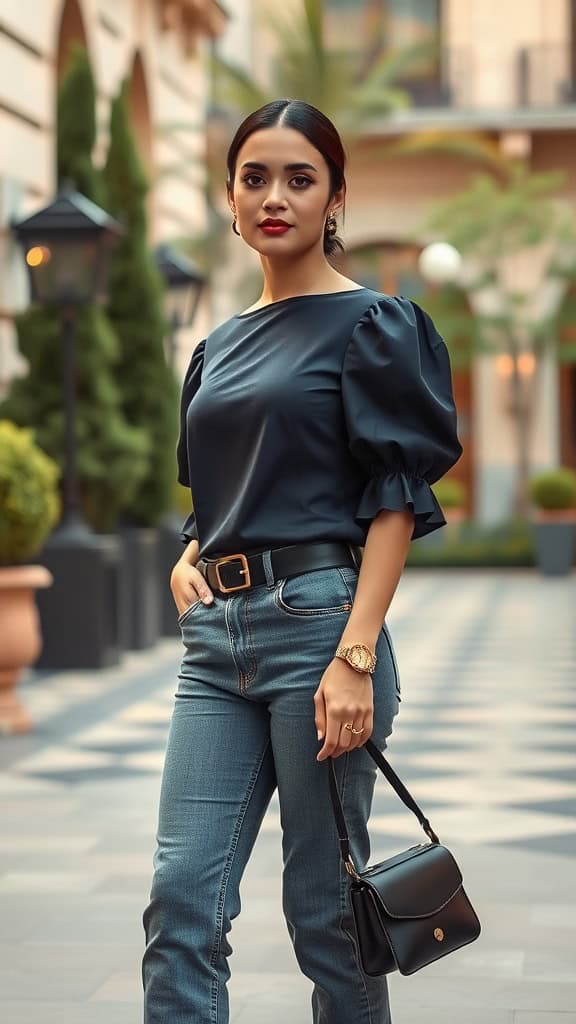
x=315 y=126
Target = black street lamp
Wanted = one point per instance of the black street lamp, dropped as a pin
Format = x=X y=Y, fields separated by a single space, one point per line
x=67 y=247
x=184 y=284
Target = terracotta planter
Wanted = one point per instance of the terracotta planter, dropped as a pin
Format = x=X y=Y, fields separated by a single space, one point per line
x=20 y=638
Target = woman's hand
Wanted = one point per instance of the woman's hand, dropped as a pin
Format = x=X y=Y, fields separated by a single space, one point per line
x=187 y=585
x=344 y=695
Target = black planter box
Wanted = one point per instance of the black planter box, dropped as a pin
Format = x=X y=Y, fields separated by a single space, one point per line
x=79 y=613
x=555 y=544
x=170 y=548
x=140 y=603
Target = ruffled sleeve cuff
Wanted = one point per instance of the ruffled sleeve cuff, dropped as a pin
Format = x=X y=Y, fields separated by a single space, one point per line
x=396 y=492
x=189 y=530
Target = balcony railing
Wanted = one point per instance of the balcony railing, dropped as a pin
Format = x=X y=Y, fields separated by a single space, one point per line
x=449 y=86
x=546 y=76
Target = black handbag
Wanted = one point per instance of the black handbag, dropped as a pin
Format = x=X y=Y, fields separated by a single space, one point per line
x=411 y=909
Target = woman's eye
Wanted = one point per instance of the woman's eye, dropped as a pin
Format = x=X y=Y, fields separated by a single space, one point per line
x=253 y=180
x=301 y=181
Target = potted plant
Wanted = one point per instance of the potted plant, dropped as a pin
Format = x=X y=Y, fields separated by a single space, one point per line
x=553 y=494
x=29 y=509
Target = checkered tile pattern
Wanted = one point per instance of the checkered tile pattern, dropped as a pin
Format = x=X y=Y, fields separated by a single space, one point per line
x=486 y=736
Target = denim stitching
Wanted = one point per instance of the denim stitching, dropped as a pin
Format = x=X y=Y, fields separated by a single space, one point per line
x=182 y=618
x=251 y=650
x=346 y=584
x=278 y=601
x=231 y=639
x=226 y=877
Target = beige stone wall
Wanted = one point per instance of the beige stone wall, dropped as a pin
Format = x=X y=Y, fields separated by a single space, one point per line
x=489 y=34
x=169 y=86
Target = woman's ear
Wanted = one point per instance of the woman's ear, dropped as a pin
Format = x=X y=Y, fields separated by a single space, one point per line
x=230 y=197
x=338 y=200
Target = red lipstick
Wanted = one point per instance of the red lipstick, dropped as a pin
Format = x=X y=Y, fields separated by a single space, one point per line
x=274 y=227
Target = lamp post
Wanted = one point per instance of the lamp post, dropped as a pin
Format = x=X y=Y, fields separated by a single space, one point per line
x=67 y=247
x=184 y=284
x=440 y=263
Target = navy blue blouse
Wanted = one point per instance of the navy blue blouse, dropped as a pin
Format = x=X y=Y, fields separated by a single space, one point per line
x=301 y=420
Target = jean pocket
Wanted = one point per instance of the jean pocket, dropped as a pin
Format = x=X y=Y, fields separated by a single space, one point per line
x=319 y=592
x=188 y=611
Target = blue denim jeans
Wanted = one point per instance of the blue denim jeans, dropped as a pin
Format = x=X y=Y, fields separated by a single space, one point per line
x=242 y=726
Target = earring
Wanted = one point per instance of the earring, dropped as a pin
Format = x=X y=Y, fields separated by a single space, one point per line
x=234 y=228
x=331 y=225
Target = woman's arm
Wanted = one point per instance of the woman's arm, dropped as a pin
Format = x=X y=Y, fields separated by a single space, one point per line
x=345 y=695
x=385 y=553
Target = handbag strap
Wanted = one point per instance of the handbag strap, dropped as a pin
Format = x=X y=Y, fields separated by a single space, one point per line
x=397 y=785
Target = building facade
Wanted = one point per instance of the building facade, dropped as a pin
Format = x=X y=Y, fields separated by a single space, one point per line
x=157 y=45
x=507 y=71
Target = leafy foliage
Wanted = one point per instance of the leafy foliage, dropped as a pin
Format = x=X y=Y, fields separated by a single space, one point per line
x=509 y=544
x=29 y=503
x=111 y=454
x=502 y=228
x=305 y=68
x=554 y=489
x=76 y=126
x=149 y=388
x=450 y=493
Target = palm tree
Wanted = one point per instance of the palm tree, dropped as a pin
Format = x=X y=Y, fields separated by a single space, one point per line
x=351 y=94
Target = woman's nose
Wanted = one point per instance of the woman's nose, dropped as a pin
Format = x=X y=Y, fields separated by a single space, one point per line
x=275 y=197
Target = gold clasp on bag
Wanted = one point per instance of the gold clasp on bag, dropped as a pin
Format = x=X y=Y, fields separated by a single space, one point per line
x=439 y=935
x=351 y=868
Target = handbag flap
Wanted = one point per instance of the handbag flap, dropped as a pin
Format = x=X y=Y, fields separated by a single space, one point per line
x=417 y=883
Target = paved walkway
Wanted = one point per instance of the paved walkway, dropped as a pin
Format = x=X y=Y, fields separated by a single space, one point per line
x=486 y=739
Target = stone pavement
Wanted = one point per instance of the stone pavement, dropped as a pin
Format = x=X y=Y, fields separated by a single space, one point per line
x=486 y=739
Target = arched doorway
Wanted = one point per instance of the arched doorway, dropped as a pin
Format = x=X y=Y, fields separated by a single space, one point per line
x=70 y=30
x=392 y=267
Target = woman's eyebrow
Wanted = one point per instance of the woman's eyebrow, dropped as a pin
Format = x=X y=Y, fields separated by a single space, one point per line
x=254 y=166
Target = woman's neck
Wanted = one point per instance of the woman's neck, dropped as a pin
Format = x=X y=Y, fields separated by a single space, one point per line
x=283 y=278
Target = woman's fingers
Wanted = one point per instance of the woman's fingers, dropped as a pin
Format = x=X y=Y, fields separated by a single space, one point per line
x=320 y=714
x=188 y=585
x=330 y=740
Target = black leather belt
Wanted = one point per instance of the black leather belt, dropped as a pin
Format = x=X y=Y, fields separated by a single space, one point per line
x=233 y=573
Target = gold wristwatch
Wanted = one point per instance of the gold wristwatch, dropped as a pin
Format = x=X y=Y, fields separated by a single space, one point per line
x=358 y=656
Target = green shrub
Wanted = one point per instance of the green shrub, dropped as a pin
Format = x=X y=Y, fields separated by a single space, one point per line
x=29 y=501
x=450 y=493
x=554 y=489
x=508 y=544
x=181 y=502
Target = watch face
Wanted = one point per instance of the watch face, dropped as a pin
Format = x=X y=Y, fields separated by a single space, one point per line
x=359 y=657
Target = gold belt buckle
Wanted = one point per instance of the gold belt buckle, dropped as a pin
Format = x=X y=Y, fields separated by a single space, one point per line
x=245 y=571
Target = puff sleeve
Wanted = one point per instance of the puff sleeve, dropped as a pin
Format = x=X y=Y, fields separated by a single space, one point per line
x=399 y=411
x=190 y=386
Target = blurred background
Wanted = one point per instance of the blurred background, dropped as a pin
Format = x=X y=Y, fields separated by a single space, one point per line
x=116 y=259
x=458 y=120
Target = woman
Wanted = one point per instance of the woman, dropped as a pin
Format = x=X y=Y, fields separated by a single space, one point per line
x=311 y=427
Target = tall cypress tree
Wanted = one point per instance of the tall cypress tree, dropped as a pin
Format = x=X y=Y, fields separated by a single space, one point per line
x=112 y=454
x=76 y=126
x=149 y=388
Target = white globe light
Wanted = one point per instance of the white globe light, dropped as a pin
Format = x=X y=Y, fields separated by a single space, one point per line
x=440 y=263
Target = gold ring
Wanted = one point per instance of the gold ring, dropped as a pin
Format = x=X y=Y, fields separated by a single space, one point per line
x=357 y=732
x=350 y=727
